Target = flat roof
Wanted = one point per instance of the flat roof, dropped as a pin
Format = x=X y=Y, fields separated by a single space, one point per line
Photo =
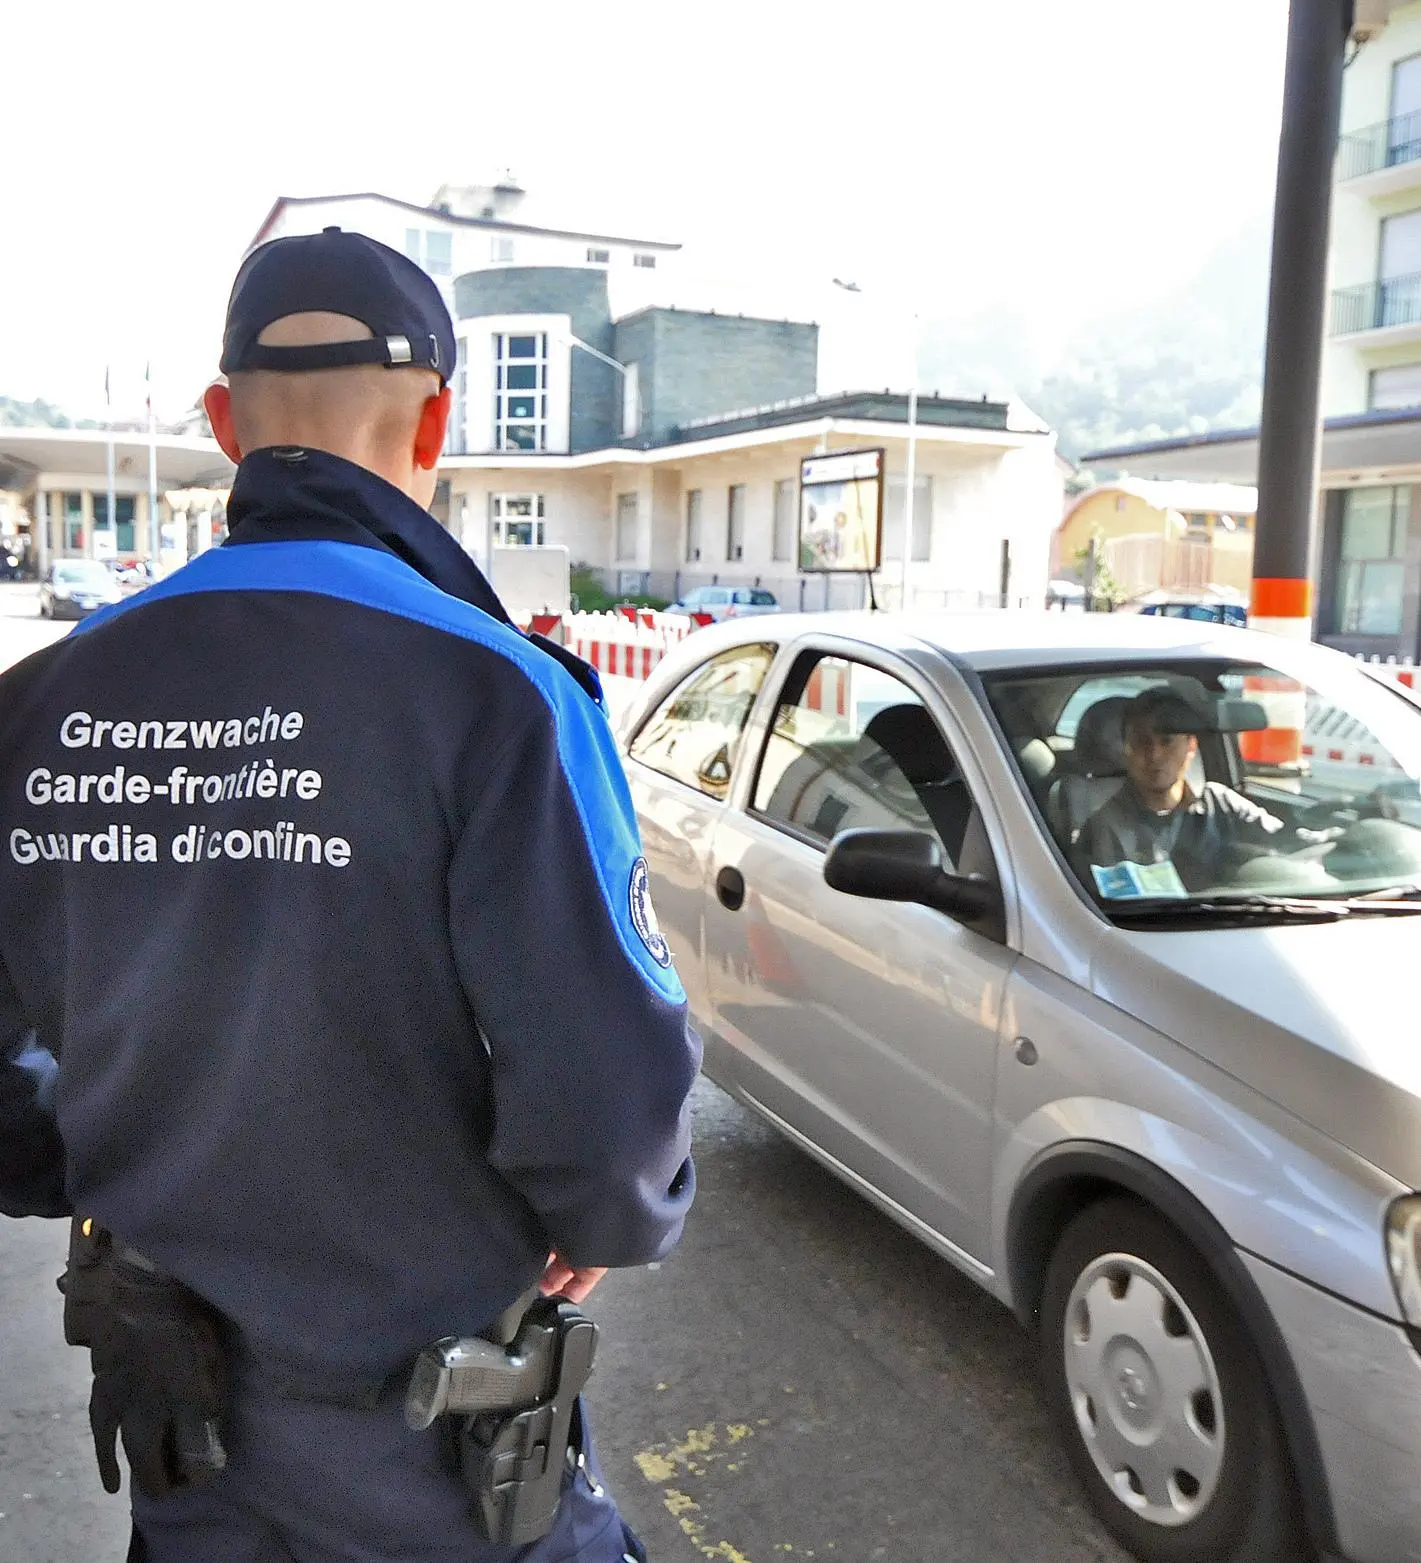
x=283 y=201
x=184 y=460
x=867 y=406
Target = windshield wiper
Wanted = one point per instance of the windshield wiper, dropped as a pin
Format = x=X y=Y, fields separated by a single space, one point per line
x=1252 y=908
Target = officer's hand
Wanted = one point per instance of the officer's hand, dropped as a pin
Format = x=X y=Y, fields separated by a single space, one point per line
x=563 y=1279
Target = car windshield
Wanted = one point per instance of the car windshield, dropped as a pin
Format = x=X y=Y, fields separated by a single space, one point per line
x=82 y=572
x=1210 y=780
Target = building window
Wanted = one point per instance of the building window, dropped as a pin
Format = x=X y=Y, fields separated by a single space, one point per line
x=782 y=542
x=693 y=525
x=920 y=544
x=735 y=523
x=74 y=523
x=631 y=402
x=626 y=526
x=598 y=257
x=922 y=540
x=1371 y=574
x=124 y=507
x=501 y=249
x=431 y=248
x=517 y=520
x=521 y=392
x=644 y=260
x=1396 y=387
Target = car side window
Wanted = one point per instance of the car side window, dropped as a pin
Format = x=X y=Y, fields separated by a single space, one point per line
x=694 y=735
x=852 y=746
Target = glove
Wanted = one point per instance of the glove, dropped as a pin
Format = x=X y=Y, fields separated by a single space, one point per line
x=160 y=1379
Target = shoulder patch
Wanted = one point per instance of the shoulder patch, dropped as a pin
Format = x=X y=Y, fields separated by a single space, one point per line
x=644 y=915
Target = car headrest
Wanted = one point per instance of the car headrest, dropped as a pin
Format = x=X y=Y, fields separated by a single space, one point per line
x=909 y=736
x=1100 y=738
x=1036 y=758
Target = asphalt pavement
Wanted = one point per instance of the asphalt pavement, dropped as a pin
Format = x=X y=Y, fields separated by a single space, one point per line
x=799 y=1379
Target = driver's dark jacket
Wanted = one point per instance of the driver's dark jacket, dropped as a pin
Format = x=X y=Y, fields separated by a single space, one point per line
x=1202 y=837
x=350 y=1048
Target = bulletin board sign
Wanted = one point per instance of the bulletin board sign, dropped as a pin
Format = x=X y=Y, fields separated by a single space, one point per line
x=841 y=512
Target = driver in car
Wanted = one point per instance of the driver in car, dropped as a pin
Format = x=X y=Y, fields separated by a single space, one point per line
x=1157 y=817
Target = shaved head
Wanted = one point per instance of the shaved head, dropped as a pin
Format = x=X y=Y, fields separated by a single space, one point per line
x=378 y=417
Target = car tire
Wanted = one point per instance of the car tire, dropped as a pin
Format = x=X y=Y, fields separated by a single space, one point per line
x=1160 y=1397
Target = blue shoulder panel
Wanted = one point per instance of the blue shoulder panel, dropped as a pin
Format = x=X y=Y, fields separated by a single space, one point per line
x=378 y=580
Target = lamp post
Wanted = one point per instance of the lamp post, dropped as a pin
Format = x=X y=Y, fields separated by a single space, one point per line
x=910 y=493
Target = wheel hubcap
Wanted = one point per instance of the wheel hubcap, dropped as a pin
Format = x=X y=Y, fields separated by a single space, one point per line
x=1144 y=1389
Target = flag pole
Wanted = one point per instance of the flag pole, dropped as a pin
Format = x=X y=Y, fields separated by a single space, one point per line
x=108 y=421
x=155 y=546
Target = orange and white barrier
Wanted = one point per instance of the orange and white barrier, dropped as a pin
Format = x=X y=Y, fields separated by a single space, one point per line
x=627 y=643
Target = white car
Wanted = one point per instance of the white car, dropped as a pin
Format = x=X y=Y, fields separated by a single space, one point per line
x=74 y=588
x=1166 y=1107
x=726 y=602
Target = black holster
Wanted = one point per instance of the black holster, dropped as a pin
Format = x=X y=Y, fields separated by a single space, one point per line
x=160 y=1373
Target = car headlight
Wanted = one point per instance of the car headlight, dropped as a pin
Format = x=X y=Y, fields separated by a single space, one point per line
x=1403 y=1252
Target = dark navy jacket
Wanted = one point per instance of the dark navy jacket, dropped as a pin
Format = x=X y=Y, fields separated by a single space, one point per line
x=324 y=888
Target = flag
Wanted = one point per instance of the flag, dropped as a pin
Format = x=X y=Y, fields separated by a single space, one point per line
x=108 y=400
x=148 y=390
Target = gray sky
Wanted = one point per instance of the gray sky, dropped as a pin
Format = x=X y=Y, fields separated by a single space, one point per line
x=1056 y=158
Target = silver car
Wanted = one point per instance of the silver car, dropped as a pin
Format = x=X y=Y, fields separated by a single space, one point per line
x=1162 y=1099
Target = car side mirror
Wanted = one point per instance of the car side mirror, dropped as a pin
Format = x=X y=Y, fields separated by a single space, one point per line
x=906 y=865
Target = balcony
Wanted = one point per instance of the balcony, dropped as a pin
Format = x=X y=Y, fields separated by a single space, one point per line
x=1387 y=311
x=1382 y=159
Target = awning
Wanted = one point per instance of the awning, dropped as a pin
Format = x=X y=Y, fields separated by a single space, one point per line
x=183 y=460
x=1361 y=447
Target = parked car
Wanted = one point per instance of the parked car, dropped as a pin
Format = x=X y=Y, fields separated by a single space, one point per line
x=726 y=602
x=1213 y=607
x=1176 y=1128
x=72 y=588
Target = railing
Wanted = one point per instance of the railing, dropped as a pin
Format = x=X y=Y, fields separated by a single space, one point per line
x=1391 y=301
x=1386 y=145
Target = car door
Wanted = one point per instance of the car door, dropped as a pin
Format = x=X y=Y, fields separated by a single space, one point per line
x=868 y=1027
x=679 y=764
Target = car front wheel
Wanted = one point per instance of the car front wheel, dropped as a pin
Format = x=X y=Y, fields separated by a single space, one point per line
x=1160 y=1396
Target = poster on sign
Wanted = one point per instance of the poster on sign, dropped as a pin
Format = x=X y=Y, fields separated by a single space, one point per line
x=841 y=512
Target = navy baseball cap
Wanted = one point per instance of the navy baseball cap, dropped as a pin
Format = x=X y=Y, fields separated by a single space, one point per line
x=344 y=274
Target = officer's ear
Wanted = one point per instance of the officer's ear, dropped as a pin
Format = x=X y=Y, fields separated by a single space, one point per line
x=217 y=403
x=429 y=435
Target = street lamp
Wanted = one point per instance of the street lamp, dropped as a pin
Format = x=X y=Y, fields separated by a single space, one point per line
x=910 y=494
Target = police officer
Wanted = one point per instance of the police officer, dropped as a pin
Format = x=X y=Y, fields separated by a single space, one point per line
x=332 y=1003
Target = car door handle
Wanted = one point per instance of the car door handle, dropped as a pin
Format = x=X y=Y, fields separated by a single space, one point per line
x=730 y=888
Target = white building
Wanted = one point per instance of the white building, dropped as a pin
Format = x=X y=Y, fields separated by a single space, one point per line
x=662 y=445
x=60 y=483
x=1373 y=361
